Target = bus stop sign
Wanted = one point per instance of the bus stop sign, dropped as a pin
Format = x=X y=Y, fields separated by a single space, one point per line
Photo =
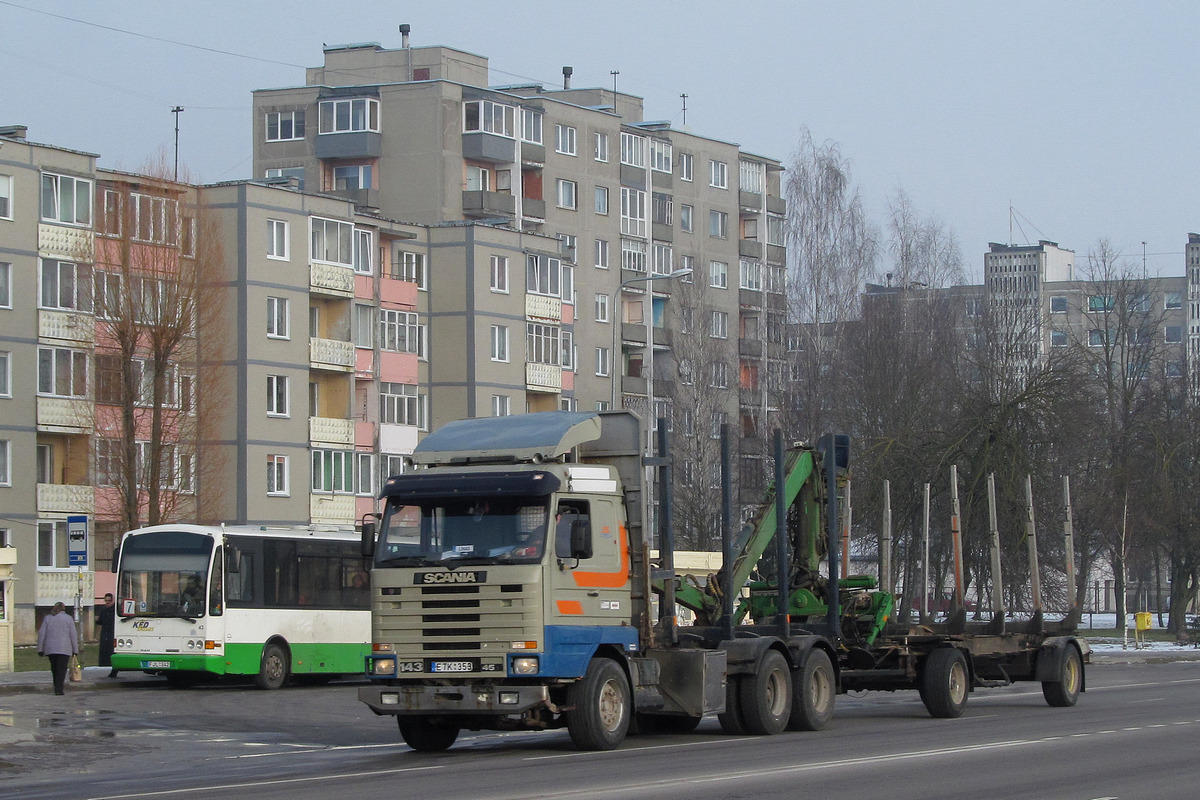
x=77 y=541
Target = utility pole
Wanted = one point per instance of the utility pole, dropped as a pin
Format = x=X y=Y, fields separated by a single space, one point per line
x=176 y=111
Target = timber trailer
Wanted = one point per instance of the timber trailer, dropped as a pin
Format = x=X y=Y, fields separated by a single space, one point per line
x=513 y=588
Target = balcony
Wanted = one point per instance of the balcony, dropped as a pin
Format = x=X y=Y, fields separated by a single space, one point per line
x=543 y=377
x=776 y=205
x=533 y=154
x=66 y=326
x=59 y=498
x=633 y=333
x=750 y=248
x=65 y=415
x=61 y=240
x=488 y=204
x=356 y=144
x=776 y=254
x=662 y=232
x=483 y=146
x=361 y=198
x=533 y=209
x=331 y=354
x=331 y=279
x=750 y=347
x=634 y=385
x=331 y=509
x=62 y=584
x=663 y=338
x=750 y=201
x=331 y=430
x=541 y=307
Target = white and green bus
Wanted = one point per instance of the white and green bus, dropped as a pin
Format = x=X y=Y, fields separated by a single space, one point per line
x=269 y=602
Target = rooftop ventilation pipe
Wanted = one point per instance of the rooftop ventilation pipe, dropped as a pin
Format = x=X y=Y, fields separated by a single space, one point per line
x=567 y=71
x=404 y=30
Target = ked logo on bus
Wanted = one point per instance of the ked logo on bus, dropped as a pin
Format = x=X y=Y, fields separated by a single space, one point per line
x=438 y=578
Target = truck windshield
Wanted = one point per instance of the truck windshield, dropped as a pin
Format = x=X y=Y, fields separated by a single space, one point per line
x=164 y=574
x=503 y=530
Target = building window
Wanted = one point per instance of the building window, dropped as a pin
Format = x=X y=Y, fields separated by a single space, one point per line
x=718 y=274
x=601 y=199
x=660 y=156
x=6 y=193
x=775 y=230
x=479 y=179
x=543 y=344
x=685 y=166
x=687 y=263
x=349 y=115
x=277 y=396
x=633 y=150
x=663 y=259
x=332 y=241
x=364 y=247
x=1173 y=300
x=601 y=149
x=398 y=331
x=633 y=255
x=718 y=377
x=501 y=405
x=685 y=218
x=52 y=544
x=283 y=126
x=718 y=326
x=750 y=275
x=500 y=343
x=277 y=318
x=1058 y=338
x=399 y=404
x=499 y=271
x=531 y=126
x=410 y=268
x=750 y=177
x=62 y=372
x=718 y=224
x=349 y=177
x=566 y=193
x=277 y=239
x=1096 y=338
x=543 y=275
x=5 y=462
x=289 y=173
x=364 y=474
x=363 y=323
x=5 y=284
x=66 y=286
x=1101 y=302
x=1174 y=334
x=633 y=212
x=601 y=307
x=277 y=476
x=67 y=200
x=490 y=117
x=333 y=471
x=568 y=350
x=44 y=464
x=564 y=139
x=661 y=208
x=5 y=373
x=718 y=174
x=602 y=253
x=602 y=362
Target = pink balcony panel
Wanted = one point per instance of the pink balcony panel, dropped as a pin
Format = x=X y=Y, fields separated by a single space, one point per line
x=568 y=380
x=364 y=434
x=403 y=293
x=364 y=362
x=398 y=367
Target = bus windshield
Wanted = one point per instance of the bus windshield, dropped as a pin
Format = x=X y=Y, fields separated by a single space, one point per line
x=496 y=530
x=164 y=575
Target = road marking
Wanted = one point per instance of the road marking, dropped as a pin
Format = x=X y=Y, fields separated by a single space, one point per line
x=316 y=748
x=275 y=782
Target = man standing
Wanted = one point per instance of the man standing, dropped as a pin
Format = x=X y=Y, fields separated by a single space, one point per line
x=57 y=641
x=106 y=620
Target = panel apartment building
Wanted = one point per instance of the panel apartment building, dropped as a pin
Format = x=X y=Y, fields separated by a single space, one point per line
x=576 y=310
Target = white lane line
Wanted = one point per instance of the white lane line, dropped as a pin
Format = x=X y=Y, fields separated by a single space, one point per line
x=275 y=782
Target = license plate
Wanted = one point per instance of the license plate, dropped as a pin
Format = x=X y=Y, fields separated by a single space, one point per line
x=453 y=666
x=156 y=665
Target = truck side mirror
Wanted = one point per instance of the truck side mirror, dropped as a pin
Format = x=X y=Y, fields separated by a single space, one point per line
x=368 y=538
x=581 y=539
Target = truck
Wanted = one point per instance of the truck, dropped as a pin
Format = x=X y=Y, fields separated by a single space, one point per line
x=514 y=587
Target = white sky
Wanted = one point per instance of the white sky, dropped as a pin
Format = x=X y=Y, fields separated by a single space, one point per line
x=1083 y=115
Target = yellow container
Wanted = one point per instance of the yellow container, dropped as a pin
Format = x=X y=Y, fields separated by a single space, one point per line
x=1142 y=620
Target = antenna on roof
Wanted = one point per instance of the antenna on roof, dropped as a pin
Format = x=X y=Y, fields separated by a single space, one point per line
x=615 y=73
x=684 y=96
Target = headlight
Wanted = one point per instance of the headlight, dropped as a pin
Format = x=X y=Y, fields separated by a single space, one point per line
x=384 y=666
x=525 y=665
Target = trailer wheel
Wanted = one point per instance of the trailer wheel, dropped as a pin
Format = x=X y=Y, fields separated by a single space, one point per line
x=601 y=706
x=767 y=696
x=813 y=692
x=1063 y=692
x=731 y=718
x=274 y=668
x=425 y=735
x=944 y=683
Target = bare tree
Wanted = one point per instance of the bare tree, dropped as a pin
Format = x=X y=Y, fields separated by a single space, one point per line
x=923 y=251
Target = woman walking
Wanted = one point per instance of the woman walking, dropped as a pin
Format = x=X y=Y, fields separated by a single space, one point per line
x=57 y=640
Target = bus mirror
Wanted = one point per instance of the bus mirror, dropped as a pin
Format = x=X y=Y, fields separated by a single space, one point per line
x=233 y=560
x=116 y=556
x=581 y=539
x=368 y=538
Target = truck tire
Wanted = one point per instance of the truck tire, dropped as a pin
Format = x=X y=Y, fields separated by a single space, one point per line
x=601 y=706
x=731 y=718
x=274 y=668
x=767 y=696
x=425 y=734
x=813 y=692
x=945 y=683
x=1063 y=692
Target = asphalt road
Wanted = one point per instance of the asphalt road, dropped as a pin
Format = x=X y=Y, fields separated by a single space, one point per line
x=1132 y=735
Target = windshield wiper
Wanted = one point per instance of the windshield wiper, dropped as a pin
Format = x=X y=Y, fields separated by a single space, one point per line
x=466 y=561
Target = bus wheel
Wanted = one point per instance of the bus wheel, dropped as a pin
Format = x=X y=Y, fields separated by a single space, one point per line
x=601 y=706
x=945 y=683
x=273 y=672
x=426 y=736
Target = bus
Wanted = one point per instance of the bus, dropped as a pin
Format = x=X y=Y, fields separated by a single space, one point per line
x=272 y=603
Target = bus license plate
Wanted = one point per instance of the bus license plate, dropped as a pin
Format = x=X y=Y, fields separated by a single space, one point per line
x=468 y=665
x=156 y=665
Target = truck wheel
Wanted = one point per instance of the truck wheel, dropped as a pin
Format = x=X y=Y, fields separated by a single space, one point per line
x=425 y=735
x=944 y=683
x=601 y=706
x=813 y=692
x=273 y=670
x=731 y=718
x=1063 y=692
x=767 y=696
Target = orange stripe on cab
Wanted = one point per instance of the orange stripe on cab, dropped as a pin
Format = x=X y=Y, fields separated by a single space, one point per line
x=570 y=607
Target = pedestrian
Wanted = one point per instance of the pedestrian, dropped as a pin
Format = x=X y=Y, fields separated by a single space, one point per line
x=106 y=621
x=58 y=642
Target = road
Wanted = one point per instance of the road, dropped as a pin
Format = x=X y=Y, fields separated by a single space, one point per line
x=1132 y=735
